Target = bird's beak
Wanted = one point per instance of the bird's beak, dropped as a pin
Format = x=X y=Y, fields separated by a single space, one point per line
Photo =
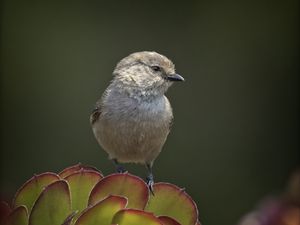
x=175 y=77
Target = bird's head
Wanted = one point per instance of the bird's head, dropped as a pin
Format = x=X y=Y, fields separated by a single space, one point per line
x=148 y=72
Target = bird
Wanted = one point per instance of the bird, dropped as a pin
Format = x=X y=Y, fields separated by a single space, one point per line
x=132 y=119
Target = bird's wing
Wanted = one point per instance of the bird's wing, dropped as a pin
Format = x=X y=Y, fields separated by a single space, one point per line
x=171 y=122
x=95 y=115
x=169 y=113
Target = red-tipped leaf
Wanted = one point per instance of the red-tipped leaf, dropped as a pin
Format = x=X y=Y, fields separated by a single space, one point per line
x=126 y=185
x=172 y=201
x=102 y=212
x=18 y=216
x=81 y=183
x=53 y=205
x=4 y=211
x=72 y=169
x=166 y=220
x=135 y=217
x=30 y=191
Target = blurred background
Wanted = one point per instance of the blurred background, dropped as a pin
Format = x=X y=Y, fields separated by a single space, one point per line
x=235 y=134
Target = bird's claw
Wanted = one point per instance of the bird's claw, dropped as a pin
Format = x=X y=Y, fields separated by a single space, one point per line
x=150 y=183
x=121 y=169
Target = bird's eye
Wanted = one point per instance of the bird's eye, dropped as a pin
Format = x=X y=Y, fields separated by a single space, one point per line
x=156 y=68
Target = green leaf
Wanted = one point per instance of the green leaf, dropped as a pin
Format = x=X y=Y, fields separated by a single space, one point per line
x=170 y=200
x=72 y=169
x=168 y=220
x=53 y=205
x=18 y=216
x=70 y=219
x=102 y=212
x=135 y=217
x=29 y=192
x=127 y=185
x=81 y=183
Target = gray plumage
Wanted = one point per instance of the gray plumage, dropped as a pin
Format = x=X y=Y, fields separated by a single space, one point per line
x=132 y=119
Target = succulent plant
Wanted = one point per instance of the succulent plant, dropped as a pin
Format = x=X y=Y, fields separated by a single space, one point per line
x=81 y=195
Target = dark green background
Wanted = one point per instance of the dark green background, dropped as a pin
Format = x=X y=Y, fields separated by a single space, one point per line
x=235 y=136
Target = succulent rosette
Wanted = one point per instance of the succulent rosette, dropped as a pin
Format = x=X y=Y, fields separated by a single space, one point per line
x=81 y=195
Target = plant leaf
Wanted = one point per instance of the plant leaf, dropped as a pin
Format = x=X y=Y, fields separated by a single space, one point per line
x=81 y=183
x=168 y=220
x=127 y=185
x=4 y=211
x=29 y=192
x=135 y=217
x=71 y=169
x=170 y=200
x=102 y=212
x=18 y=216
x=70 y=218
x=53 y=205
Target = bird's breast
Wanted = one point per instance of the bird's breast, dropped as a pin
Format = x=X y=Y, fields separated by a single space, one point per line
x=128 y=110
x=138 y=128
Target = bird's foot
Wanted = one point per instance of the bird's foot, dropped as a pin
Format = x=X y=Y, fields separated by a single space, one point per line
x=150 y=183
x=120 y=169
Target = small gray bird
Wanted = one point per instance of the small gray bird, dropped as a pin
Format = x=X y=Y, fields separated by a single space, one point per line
x=132 y=119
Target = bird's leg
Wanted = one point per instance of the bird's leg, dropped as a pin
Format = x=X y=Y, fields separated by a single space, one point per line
x=119 y=168
x=150 y=178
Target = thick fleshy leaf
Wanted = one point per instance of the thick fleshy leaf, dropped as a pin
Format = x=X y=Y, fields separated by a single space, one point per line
x=81 y=183
x=4 y=211
x=53 y=205
x=170 y=200
x=69 y=220
x=30 y=191
x=127 y=185
x=168 y=220
x=135 y=217
x=18 y=216
x=69 y=170
x=102 y=212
